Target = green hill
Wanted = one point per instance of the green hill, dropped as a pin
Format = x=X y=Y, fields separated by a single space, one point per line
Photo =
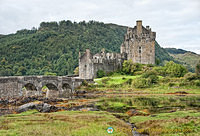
x=187 y=58
x=53 y=47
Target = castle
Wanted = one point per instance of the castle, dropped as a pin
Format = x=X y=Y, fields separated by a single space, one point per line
x=138 y=45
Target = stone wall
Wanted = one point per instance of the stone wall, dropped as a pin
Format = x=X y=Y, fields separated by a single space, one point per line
x=89 y=64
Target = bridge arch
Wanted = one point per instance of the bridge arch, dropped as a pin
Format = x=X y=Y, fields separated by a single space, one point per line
x=66 y=90
x=52 y=90
x=29 y=89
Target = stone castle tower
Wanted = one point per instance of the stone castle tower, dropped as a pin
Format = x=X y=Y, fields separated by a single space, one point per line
x=138 y=45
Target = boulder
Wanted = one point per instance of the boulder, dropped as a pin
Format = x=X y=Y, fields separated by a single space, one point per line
x=41 y=107
x=25 y=107
x=48 y=108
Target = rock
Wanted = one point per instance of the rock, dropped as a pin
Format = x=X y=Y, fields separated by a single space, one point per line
x=89 y=109
x=48 y=108
x=25 y=107
x=41 y=107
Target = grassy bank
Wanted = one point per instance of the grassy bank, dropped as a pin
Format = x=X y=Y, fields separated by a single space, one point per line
x=64 y=123
x=118 y=83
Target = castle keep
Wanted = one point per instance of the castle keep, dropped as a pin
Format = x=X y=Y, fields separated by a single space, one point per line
x=138 y=45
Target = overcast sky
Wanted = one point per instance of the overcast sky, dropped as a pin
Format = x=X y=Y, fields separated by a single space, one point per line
x=176 y=22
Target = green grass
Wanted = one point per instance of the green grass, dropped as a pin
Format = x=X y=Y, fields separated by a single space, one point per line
x=120 y=84
x=115 y=79
x=164 y=116
x=168 y=124
x=64 y=123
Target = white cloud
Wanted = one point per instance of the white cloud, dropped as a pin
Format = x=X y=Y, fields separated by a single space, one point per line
x=176 y=22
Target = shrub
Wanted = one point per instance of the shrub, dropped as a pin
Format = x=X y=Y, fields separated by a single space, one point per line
x=175 y=70
x=165 y=80
x=153 y=78
x=100 y=73
x=138 y=73
x=151 y=75
x=130 y=68
x=141 y=83
x=197 y=69
x=115 y=85
x=197 y=83
x=184 y=83
x=110 y=73
x=129 y=81
x=84 y=83
x=170 y=84
x=160 y=70
x=190 y=76
x=76 y=71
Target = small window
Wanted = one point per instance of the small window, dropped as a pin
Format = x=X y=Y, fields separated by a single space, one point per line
x=140 y=49
x=85 y=65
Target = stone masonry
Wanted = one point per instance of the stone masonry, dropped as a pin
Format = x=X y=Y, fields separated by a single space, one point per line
x=138 y=46
x=58 y=86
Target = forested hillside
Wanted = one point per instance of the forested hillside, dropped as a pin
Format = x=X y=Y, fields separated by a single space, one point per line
x=53 y=48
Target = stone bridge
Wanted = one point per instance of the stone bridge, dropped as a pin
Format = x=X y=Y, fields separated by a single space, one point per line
x=49 y=86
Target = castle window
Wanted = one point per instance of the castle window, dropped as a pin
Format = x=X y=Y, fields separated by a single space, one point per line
x=85 y=65
x=140 y=49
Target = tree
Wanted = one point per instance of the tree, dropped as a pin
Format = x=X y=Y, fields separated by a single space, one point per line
x=175 y=70
x=76 y=71
x=197 y=68
x=100 y=73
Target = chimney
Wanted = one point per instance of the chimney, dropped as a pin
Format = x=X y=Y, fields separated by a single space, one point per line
x=147 y=27
x=87 y=52
x=139 y=27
